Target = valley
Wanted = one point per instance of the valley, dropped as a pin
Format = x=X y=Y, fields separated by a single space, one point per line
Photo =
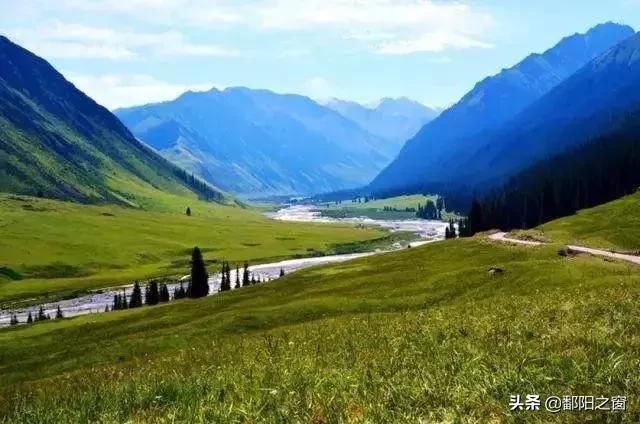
x=324 y=249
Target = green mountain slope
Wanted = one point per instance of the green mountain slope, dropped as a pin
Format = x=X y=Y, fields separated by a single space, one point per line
x=57 y=142
x=422 y=335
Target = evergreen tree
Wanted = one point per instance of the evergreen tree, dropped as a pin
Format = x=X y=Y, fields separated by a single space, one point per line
x=452 y=229
x=475 y=220
x=106 y=308
x=59 y=314
x=41 y=315
x=188 y=211
x=179 y=292
x=123 y=300
x=199 y=276
x=238 y=284
x=152 y=294
x=281 y=272
x=29 y=318
x=164 y=293
x=447 y=233
x=440 y=206
x=225 y=283
x=14 y=320
x=245 y=275
x=116 y=302
x=136 y=296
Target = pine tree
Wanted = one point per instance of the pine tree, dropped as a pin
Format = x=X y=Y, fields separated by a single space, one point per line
x=452 y=229
x=281 y=272
x=245 y=275
x=199 y=277
x=152 y=294
x=179 y=293
x=475 y=221
x=164 y=294
x=29 y=318
x=14 y=320
x=123 y=300
x=447 y=233
x=106 y=308
x=237 y=277
x=116 y=302
x=59 y=314
x=136 y=296
x=440 y=206
x=225 y=284
x=41 y=314
x=188 y=211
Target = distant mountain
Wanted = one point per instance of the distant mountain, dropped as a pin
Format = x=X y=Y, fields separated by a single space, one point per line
x=394 y=120
x=57 y=142
x=588 y=104
x=259 y=142
x=433 y=155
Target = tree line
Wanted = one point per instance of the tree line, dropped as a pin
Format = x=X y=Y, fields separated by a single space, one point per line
x=155 y=293
x=596 y=173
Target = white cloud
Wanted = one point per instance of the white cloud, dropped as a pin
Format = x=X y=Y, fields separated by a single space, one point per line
x=115 y=90
x=60 y=40
x=318 y=88
x=431 y=42
x=384 y=26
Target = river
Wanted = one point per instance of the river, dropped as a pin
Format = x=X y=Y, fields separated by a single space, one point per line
x=96 y=302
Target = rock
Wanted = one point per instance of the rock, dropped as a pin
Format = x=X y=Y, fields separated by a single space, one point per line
x=564 y=251
x=495 y=271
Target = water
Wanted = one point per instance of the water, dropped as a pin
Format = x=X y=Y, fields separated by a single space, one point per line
x=426 y=231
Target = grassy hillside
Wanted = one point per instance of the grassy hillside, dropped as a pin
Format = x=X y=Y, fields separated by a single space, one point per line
x=53 y=248
x=614 y=225
x=58 y=143
x=375 y=209
x=422 y=334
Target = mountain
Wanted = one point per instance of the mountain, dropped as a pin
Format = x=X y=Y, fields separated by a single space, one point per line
x=590 y=103
x=57 y=142
x=394 y=120
x=433 y=154
x=598 y=171
x=259 y=142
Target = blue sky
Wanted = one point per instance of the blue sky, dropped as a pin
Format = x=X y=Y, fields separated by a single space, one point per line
x=130 y=52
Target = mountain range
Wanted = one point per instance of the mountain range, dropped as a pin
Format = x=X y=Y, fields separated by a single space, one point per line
x=395 y=120
x=257 y=142
x=57 y=142
x=491 y=119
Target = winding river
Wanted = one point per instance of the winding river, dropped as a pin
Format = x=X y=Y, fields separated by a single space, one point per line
x=96 y=302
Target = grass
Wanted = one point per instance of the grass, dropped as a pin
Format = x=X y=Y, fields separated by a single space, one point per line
x=375 y=209
x=421 y=334
x=56 y=249
x=614 y=225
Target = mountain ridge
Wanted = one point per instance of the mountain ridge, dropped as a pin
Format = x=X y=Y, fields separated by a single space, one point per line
x=57 y=142
x=492 y=102
x=257 y=142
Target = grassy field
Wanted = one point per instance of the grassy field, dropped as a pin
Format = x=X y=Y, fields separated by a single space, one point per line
x=374 y=209
x=614 y=225
x=421 y=334
x=52 y=249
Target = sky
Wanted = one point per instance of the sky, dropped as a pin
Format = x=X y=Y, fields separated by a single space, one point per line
x=131 y=52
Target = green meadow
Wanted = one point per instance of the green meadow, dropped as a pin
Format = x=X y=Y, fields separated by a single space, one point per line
x=375 y=209
x=614 y=225
x=426 y=334
x=53 y=249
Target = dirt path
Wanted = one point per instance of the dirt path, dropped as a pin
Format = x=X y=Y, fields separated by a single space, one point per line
x=502 y=236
